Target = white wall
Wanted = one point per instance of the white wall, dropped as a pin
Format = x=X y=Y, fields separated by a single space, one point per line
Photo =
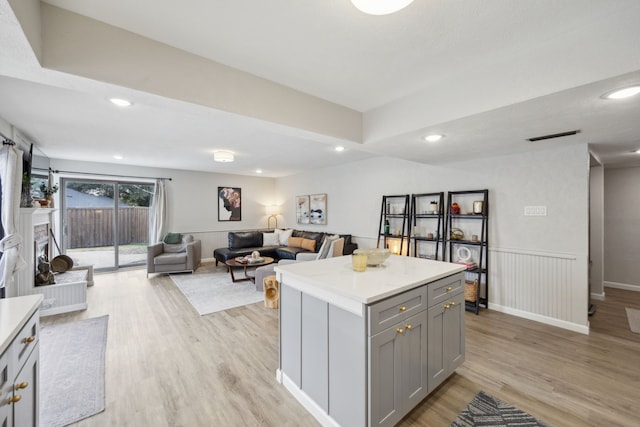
x=622 y=228
x=555 y=178
x=596 y=231
x=192 y=198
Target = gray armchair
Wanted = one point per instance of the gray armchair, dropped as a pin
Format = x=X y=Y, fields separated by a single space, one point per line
x=174 y=258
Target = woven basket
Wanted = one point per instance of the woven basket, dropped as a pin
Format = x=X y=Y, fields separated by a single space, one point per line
x=470 y=290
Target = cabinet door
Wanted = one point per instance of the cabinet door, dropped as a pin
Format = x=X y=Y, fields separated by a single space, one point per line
x=413 y=360
x=25 y=411
x=454 y=333
x=6 y=389
x=436 y=350
x=290 y=332
x=384 y=377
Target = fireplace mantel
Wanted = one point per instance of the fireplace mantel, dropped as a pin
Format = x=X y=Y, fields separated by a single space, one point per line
x=58 y=298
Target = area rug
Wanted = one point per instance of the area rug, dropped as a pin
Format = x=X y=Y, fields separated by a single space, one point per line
x=72 y=357
x=210 y=289
x=487 y=411
x=633 y=316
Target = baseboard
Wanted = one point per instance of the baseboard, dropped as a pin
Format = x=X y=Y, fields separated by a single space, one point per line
x=309 y=404
x=63 y=309
x=624 y=286
x=599 y=297
x=583 y=329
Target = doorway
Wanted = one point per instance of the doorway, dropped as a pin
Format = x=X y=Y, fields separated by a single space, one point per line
x=106 y=223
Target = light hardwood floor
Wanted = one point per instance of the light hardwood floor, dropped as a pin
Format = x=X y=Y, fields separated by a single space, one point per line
x=168 y=366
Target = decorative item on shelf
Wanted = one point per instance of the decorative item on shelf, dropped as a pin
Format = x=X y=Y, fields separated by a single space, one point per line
x=474 y=238
x=478 y=207
x=386 y=227
x=464 y=254
x=48 y=190
x=433 y=207
x=470 y=290
x=455 y=209
x=429 y=235
x=456 y=234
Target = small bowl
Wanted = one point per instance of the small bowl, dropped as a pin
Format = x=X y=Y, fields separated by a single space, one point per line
x=375 y=257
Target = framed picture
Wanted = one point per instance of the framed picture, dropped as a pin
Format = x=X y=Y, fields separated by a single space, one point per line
x=318 y=208
x=302 y=209
x=229 y=204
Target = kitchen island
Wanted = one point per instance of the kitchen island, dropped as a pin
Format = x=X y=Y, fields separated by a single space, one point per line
x=363 y=349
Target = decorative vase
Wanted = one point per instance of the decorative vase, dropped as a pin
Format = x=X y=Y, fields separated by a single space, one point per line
x=50 y=200
x=44 y=203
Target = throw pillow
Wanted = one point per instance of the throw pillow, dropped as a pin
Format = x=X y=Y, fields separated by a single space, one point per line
x=270 y=239
x=323 y=252
x=283 y=238
x=172 y=238
x=336 y=248
x=294 y=242
x=308 y=244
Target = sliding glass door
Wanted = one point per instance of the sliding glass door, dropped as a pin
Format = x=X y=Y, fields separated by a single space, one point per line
x=106 y=223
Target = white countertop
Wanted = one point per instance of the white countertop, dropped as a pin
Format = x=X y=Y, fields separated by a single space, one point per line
x=14 y=313
x=334 y=280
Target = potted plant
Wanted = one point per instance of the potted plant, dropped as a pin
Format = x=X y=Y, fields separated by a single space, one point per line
x=48 y=190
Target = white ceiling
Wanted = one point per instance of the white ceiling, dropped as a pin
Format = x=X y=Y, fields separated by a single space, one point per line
x=486 y=73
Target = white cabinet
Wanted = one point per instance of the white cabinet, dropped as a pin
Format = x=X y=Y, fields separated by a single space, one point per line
x=19 y=361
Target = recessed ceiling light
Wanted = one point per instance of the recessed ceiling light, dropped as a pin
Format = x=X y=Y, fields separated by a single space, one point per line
x=120 y=102
x=433 y=138
x=380 y=7
x=623 y=93
x=258 y=170
x=339 y=148
x=637 y=151
x=118 y=156
x=223 y=156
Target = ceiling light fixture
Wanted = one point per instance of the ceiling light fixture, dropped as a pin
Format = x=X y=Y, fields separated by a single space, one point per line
x=433 y=138
x=223 y=156
x=258 y=170
x=637 y=151
x=121 y=102
x=623 y=93
x=118 y=156
x=339 y=148
x=380 y=7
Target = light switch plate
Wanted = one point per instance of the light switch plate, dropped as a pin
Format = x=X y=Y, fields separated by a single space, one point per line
x=535 y=211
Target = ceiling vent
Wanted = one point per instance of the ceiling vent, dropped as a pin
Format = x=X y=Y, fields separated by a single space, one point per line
x=554 y=135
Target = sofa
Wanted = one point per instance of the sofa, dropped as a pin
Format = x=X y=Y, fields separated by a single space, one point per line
x=181 y=256
x=276 y=244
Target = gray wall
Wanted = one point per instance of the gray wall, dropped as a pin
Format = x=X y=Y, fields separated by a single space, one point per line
x=622 y=227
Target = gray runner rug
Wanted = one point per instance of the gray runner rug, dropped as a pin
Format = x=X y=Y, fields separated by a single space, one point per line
x=633 y=317
x=72 y=358
x=487 y=411
x=210 y=289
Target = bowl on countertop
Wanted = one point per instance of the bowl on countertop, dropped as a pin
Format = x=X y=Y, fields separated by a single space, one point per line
x=375 y=256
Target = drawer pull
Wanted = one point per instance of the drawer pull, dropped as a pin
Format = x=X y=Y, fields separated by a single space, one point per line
x=449 y=289
x=446 y=306
x=408 y=326
x=27 y=340
x=452 y=303
x=400 y=330
x=403 y=308
x=22 y=385
x=14 y=399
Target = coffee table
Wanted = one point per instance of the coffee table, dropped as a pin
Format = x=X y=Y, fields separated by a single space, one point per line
x=232 y=263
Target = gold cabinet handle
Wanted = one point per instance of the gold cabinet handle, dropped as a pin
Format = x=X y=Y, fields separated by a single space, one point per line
x=449 y=289
x=400 y=330
x=403 y=308
x=446 y=306
x=28 y=339
x=452 y=303
x=408 y=326
x=14 y=399
x=22 y=385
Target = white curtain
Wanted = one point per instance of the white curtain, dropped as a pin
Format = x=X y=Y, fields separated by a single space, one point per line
x=158 y=212
x=11 y=181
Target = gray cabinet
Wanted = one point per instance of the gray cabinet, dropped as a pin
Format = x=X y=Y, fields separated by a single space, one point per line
x=446 y=337
x=398 y=363
x=19 y=369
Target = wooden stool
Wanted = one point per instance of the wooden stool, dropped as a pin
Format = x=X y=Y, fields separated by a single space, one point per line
x=271 y=291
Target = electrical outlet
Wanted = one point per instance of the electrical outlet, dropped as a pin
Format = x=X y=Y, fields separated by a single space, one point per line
x=48 y=303
x=535 y=211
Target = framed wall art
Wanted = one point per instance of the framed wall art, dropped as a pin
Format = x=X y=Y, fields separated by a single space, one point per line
x=229 y=204
x=302 y=209
x=318 y=208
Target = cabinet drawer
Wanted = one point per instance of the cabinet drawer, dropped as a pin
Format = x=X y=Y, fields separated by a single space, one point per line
x=386 y=313
x=444 y=289
x=26 y=340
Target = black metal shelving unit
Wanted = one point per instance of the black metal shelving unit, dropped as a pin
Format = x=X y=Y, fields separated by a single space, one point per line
x=477 y=222
x=425 y=219
x=395 y=210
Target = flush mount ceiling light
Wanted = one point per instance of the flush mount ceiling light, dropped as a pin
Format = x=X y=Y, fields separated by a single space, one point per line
x=258 y=170
x=380 y=7
x=120 y=102
x=118 y=156
x=433 y=138
x=623 y=93
x=339 y=148
x=223 y=156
